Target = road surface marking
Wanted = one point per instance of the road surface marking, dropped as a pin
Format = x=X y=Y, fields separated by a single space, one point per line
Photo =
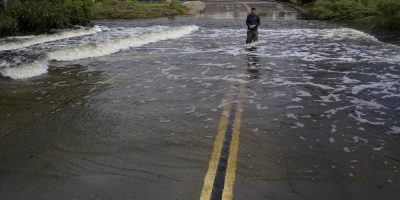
x=219 y=180
x=231 y=168
x=220 y=177
x=215 y=156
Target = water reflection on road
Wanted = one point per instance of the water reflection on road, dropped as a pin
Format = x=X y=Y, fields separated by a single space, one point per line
x=252 y=63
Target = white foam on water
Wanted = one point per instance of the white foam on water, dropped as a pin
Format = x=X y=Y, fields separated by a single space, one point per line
x=348 y=33
x=302 y=93
x=291 y=115
x=260 y=107
x=349 y=80
x=329 y=98
x=368 y=104
x=346 y=149
x=387 y=86
x=339 y=45
x=101 y=48
x=298 y=124
x=395 y=130
x=335 y=110
x=205 y=71
x=252 y=95
x=277 y=94
x=25 y=71
x=294 y=107
x=114 y=46
x=3 y=63
x=328 y=34
x=377 y=148
x=359 y=139
x=333 y=129
x=363 y=120
x=297 y=99
x=281 y=82
x=33 y=40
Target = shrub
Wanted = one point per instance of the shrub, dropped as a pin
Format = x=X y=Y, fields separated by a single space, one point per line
x=79 y=11
x=40 y=16
x=130 y=1
x=111 y=2
x=389 y=14
x=175 y=8
x=130 y=9
x=338 y=9
x=37 y=16
x=8 y=25
x=343 y=9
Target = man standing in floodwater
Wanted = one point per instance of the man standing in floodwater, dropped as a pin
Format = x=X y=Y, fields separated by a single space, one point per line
x=252 y=22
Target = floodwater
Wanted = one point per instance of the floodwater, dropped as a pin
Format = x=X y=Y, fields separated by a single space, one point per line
x=130 y=110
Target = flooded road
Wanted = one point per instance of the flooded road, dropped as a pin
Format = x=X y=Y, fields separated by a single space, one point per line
x=132 y=110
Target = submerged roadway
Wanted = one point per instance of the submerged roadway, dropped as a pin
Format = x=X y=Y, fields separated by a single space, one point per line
x=310 y=112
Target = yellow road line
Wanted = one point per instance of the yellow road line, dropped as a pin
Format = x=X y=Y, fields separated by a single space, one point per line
x=219 y=140
x=234 y=148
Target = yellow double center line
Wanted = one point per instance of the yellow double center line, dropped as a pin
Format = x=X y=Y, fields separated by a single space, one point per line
x=220 y=177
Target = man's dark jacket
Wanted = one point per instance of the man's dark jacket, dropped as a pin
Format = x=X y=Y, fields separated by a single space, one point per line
x=253 y=20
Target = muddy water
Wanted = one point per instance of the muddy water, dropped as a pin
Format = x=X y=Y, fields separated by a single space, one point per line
x=129 y=109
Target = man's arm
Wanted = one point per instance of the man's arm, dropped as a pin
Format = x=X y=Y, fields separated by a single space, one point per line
x=248 y=21
x=258 y=21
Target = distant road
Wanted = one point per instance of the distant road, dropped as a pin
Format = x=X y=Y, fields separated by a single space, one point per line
x=213 y=6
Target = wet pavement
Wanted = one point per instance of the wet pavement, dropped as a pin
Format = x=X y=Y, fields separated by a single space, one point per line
x=128 y=112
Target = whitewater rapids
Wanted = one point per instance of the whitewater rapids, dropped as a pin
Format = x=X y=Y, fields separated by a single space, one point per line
x=75 y=45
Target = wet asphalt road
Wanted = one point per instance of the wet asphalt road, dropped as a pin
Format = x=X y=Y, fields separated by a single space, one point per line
x=319 y=117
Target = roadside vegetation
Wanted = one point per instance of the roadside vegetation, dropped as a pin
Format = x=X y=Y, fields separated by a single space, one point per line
x=131 y=9
x=383 y=14
x=41 y=16
x=38 y=16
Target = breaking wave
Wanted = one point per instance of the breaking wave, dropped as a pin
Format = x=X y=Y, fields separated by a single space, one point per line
x=26 y=41
x=330 y=34
x=26 y=70
x=355 y=34
x=114 y=46
x=37 y=67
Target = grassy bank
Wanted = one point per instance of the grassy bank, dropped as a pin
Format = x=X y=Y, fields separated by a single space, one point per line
x=128 y=9
x=39 y=16
x=381 y=14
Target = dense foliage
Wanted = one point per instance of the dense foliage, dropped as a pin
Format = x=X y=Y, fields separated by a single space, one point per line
x=39 y=16
x=385 y=12
x=344 y=9
x=8 y=25
x=389 y=13
x=130 y=9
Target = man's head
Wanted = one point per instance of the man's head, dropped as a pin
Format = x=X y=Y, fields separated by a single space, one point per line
x=253 y=11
